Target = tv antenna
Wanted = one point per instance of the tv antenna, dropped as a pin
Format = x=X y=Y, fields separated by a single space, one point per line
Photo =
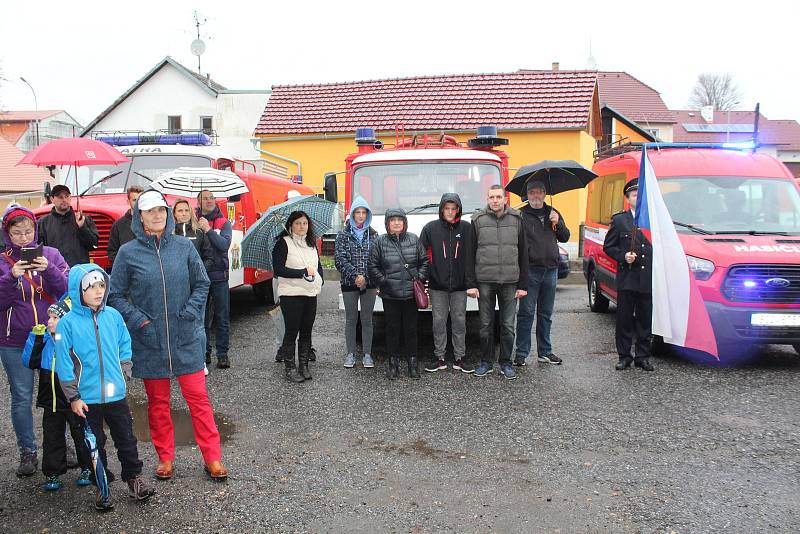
x=198 y=46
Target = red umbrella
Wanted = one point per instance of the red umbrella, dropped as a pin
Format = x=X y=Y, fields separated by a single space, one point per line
x=75 y=151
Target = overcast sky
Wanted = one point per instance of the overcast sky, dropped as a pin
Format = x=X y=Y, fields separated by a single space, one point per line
x=81 y=56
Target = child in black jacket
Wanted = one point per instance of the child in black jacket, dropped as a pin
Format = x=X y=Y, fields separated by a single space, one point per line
x=40 y=354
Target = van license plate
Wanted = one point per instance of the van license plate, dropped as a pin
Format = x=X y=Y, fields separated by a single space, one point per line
x=775 y=319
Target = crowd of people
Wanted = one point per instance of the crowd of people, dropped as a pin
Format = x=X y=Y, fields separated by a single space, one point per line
x=88 y=332
x=152 y=316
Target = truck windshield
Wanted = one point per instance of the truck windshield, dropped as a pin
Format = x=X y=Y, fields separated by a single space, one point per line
x=143 y=169
x=412 y=185
x=732 y=204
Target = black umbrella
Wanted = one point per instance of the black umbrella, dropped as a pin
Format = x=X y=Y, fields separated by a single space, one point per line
x=556 y=175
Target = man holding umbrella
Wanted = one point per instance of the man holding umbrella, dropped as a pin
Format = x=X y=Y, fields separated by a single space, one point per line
x=72 y=233
x=544 y=229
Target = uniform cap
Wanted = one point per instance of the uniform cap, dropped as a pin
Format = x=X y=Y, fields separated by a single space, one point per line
x=633 y=185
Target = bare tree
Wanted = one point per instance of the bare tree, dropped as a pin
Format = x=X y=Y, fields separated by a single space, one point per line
x=718 y=90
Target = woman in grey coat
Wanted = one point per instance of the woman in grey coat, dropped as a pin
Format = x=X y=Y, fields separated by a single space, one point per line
x=160 y=286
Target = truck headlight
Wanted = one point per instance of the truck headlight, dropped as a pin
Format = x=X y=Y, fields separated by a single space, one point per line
x=702 y=269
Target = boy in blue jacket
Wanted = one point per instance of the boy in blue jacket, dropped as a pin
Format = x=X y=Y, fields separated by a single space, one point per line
x=40 y=353
x=92 y=349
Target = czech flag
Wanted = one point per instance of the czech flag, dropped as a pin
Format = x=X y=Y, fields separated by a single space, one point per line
x=679 y=313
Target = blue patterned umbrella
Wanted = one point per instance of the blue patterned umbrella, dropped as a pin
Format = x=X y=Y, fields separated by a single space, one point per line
x=260 y=238
x=97 y=462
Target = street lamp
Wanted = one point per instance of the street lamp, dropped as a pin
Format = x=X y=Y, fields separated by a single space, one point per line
x=36 y=107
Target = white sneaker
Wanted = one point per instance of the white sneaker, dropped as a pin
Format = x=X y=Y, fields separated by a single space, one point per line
x=205 y=369
x=368 y=362
x=350 y=361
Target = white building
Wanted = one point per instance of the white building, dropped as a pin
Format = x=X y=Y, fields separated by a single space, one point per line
x=171 y=97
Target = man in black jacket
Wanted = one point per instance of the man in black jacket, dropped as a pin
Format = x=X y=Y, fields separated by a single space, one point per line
x=544 y=229
x=448 y=242
x=634 y=284
x=121 y=231
x=73 y=234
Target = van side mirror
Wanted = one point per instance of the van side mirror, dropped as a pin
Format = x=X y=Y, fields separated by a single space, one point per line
x=331 y=190
x=47 y=191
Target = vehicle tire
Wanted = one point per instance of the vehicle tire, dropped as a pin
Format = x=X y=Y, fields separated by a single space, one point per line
x=797 y=348
x=262 y=292
x=597 y=302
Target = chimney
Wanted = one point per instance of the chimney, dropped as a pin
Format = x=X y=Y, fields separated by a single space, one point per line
x=555 y=66
x=208 y=79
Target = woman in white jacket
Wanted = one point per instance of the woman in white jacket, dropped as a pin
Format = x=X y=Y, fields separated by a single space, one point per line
x=296 y=264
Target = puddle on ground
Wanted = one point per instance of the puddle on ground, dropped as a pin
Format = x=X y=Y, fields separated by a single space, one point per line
x=181 y=421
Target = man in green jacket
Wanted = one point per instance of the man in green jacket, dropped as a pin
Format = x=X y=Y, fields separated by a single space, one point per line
x=501 y=272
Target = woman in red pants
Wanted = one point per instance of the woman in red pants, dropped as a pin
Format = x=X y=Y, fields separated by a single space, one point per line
x=159 y=284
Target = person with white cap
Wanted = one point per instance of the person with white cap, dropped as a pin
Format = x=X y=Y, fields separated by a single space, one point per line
x=160 y=286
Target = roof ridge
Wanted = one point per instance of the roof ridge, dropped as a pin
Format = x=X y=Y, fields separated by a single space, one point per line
x=432 y=76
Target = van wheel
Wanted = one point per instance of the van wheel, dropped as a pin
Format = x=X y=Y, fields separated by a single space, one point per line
x=597 y=302
x=797 y=348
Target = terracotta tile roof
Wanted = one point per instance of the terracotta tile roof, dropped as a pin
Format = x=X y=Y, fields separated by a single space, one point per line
x=784 y=134
x=518 y=100
x=27 y=116
x=18 y=179
x=634 y=99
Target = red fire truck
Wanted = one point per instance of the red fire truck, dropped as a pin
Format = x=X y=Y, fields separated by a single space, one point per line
x=102 y=190
x=737 y=214
x=414 y=173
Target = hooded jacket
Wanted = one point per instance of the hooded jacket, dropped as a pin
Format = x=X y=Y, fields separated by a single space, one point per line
x=542 y=241
x=21 y=307
x=351 y=254
x=92 y=347
x=387 y=265
x=163 y=281
x=62 y=232
x=449 y=248
x=220 y=236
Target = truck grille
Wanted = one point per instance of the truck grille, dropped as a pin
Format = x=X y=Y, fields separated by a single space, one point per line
x=104 y=224
x=769 y=332
x=768 y=284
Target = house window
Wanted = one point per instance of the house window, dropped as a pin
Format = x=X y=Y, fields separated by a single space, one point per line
x=653 y=132
x=207 y=125
x=174 y=124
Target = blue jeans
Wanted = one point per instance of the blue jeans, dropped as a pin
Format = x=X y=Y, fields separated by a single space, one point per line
x=540 y=301
x=20 y=381
x=218 y=314
x=503 y=294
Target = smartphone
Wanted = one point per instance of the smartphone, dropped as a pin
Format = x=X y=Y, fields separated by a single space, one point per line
x=28 y=254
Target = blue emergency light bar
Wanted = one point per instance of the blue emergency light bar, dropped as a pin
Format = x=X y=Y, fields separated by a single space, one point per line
x=742 y=145
x=193 y=139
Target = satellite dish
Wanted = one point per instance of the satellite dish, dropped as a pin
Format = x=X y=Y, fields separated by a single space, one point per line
x=198 y=47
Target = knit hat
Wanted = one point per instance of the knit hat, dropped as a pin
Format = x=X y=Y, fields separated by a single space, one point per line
x=91 y=278
x=60 y=308
x=16 y=212
x=535 y=184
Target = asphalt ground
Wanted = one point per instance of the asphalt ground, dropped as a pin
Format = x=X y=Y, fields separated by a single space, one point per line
x=573 y=448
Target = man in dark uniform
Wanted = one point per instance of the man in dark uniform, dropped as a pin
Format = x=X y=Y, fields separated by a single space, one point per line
x=634 y=284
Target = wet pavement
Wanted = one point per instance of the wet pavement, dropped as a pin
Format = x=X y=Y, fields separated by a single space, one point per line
x=572 y=448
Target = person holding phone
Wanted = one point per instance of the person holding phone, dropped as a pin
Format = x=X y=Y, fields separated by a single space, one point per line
x=27 y=289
